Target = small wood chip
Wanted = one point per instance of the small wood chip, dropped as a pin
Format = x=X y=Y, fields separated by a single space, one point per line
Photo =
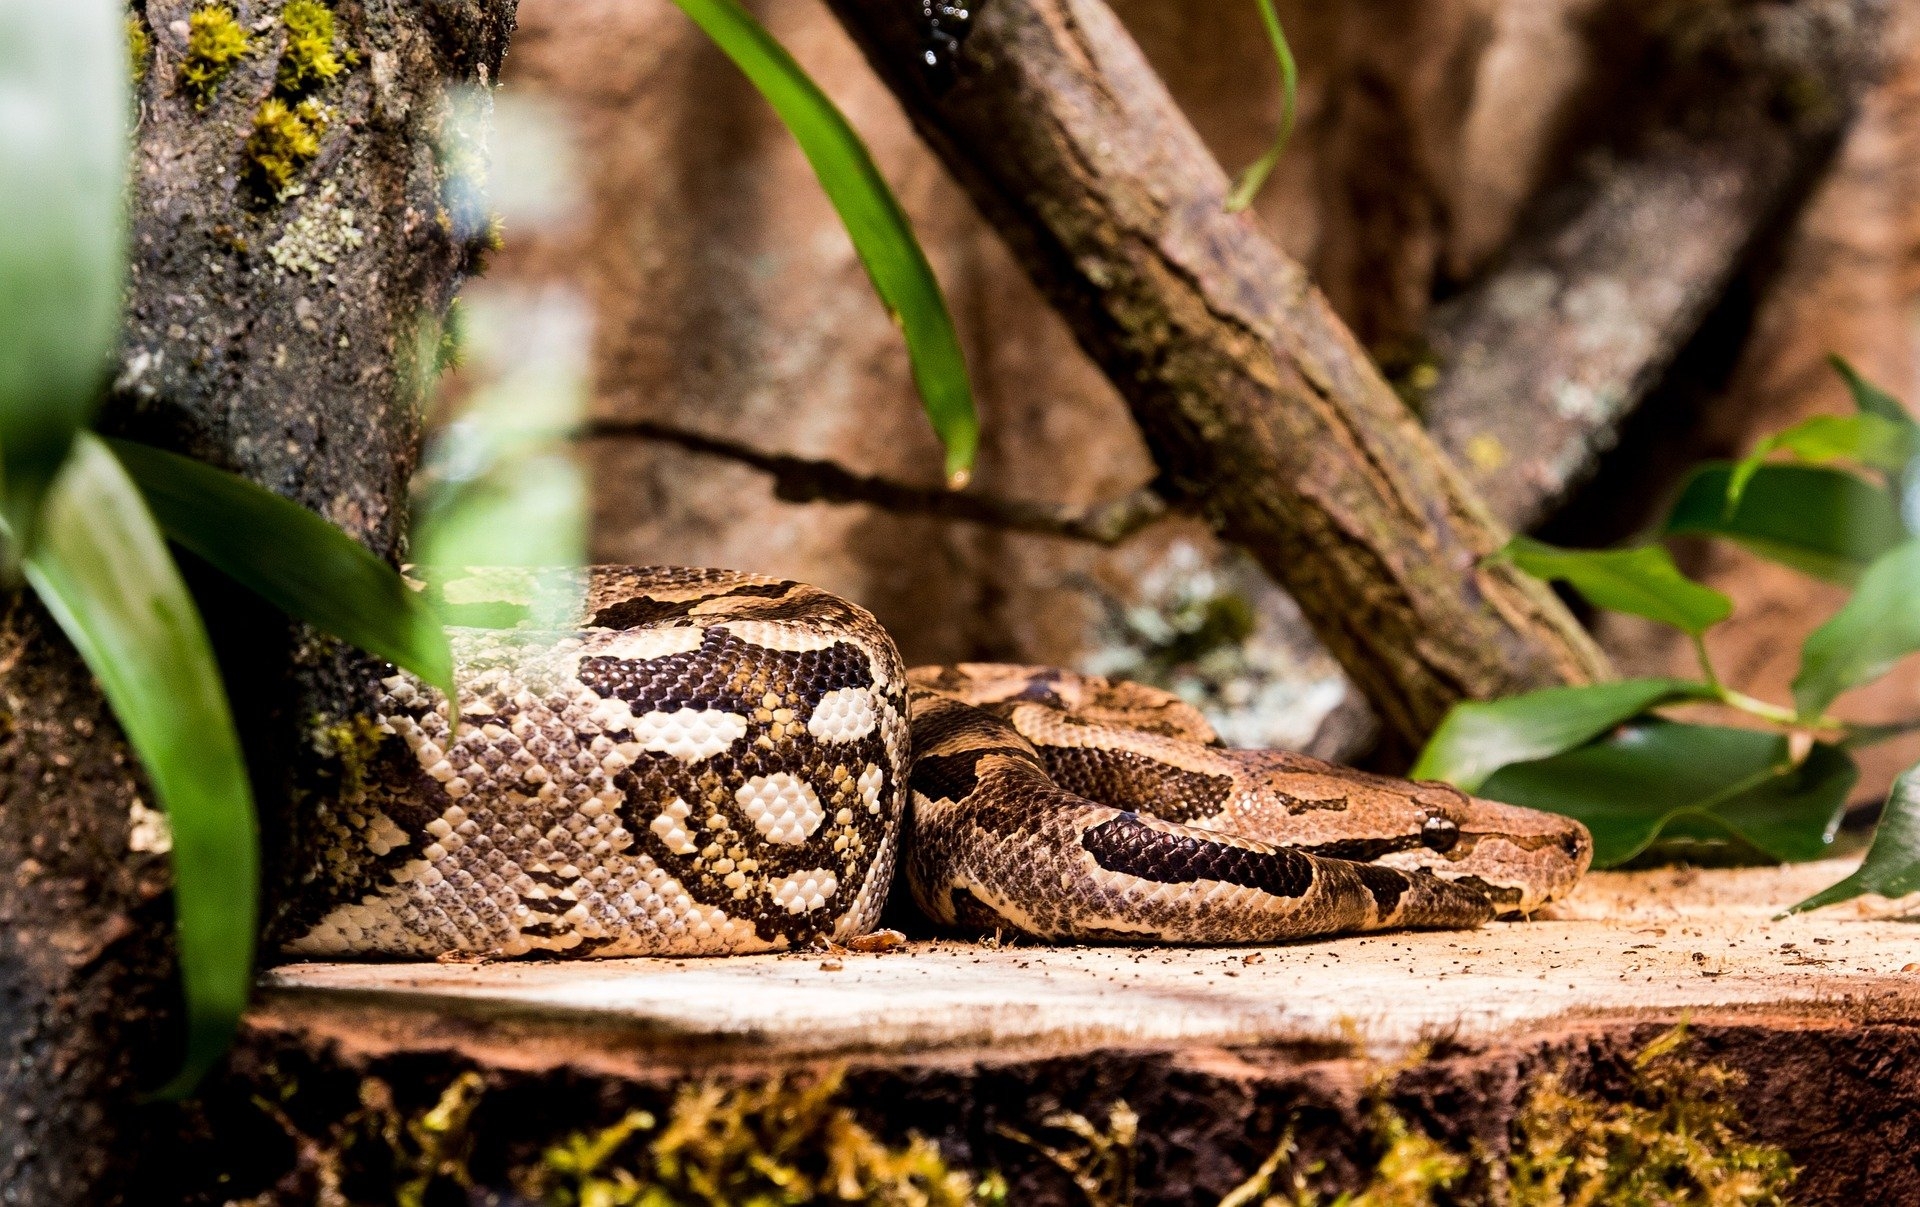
x=831 y=966
x=879 y=940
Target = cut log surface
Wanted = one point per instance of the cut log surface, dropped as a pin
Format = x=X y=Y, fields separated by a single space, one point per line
x=1624 y=943
x=1222 y=1054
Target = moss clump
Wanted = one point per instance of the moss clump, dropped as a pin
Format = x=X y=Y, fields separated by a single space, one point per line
x=1674 y=1142
x=139 y=48
x=784 y=1142
x=285 y=139
x=215 y=42
x=288 y=125
x=1677 y=1139
x=309 y=60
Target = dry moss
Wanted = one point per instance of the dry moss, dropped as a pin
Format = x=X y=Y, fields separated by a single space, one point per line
x=784 y=1142
x=215 y=42
x=1676 y=1141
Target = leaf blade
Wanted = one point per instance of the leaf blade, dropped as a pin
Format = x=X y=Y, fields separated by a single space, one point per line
x=1660 y=778
x=881 y=233
x=1255 y=177
x=292 y=558
x=103 y=571
x=1825 y=522
x=1879 y=625
x=1642 y=581
x=63 y=87
x=1868 y=398
x=1477 y=738
x=1892 y=864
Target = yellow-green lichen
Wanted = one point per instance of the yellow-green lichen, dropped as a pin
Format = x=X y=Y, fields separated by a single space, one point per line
x=139 y=48
x=309 y=59
x=285 y=139
x=215 y=42
x=316 y=239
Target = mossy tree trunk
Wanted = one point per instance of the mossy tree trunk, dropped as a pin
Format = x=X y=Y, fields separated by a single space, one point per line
x=272 y=333
x=1261 y=409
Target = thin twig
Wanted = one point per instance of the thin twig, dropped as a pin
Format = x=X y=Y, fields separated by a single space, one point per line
x=805 y=480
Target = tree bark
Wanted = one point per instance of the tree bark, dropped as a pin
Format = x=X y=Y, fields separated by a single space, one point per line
x=1262 y=411
x=1719 y=126
x=273 y=336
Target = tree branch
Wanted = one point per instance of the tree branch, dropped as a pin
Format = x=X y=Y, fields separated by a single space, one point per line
x=1724 y=129
x=1260 y=408
x=804 y=480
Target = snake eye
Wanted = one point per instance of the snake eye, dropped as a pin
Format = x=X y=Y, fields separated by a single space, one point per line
x=1439 y=834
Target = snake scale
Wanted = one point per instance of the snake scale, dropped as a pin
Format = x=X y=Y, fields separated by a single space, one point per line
x=705 y=762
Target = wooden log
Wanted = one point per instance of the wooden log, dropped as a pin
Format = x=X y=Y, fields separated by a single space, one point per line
x=1720 y=122
x=1221 y=1052
x=1261 y=410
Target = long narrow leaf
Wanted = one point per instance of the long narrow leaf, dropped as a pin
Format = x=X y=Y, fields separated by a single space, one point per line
x=63 y=118
x=1478 y=738
x=292 y=558
x=881 y=234
x=1865 y=439
x=1248 y=186
x=103 y=571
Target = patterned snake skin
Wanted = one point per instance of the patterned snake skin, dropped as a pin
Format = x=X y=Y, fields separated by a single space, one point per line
x=703 y=762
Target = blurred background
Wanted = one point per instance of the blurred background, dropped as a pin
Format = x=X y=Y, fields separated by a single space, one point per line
x=689 y=270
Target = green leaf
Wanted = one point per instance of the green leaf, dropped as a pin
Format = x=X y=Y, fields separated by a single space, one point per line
x=1878 y=626
x=292 y=558
x=1478 y=738
x=63 y=157
x=103 y=571
x=1642 y=581
x=1825 y=522
x=1658 y=778
x=1892 y=865
x=1864 y=439
x=1248 y=186
x=1869 y=398
x=874 y=220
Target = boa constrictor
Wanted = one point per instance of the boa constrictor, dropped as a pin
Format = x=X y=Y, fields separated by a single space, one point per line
x=699 y=762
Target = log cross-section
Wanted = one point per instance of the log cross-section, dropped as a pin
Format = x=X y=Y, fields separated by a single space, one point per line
x=1262 y=411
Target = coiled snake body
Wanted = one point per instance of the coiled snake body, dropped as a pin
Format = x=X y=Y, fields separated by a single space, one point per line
x=703 y=762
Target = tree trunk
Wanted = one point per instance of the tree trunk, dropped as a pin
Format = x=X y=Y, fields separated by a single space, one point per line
x=274 y=336
x=1262 y=411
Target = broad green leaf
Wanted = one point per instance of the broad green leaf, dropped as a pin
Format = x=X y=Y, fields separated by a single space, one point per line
x=103 y=571
x=1878 y=626
x=1892 y=865
x=63 y=155
x=1248 y=186
x=881 y=234
x=1643 y=581
x=1825 y=522
x=1657 y=778
x=1478 y=738
x=292 y=558
x=1869 y=398
x=1864 y=439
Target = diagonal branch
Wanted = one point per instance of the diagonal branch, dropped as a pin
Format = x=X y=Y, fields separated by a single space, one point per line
x=1260 y=408
x=804 y=480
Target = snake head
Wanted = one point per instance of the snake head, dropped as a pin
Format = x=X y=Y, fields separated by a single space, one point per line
x=1521 y=858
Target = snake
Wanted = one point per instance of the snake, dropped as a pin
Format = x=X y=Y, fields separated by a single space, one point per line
x=658 y=761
